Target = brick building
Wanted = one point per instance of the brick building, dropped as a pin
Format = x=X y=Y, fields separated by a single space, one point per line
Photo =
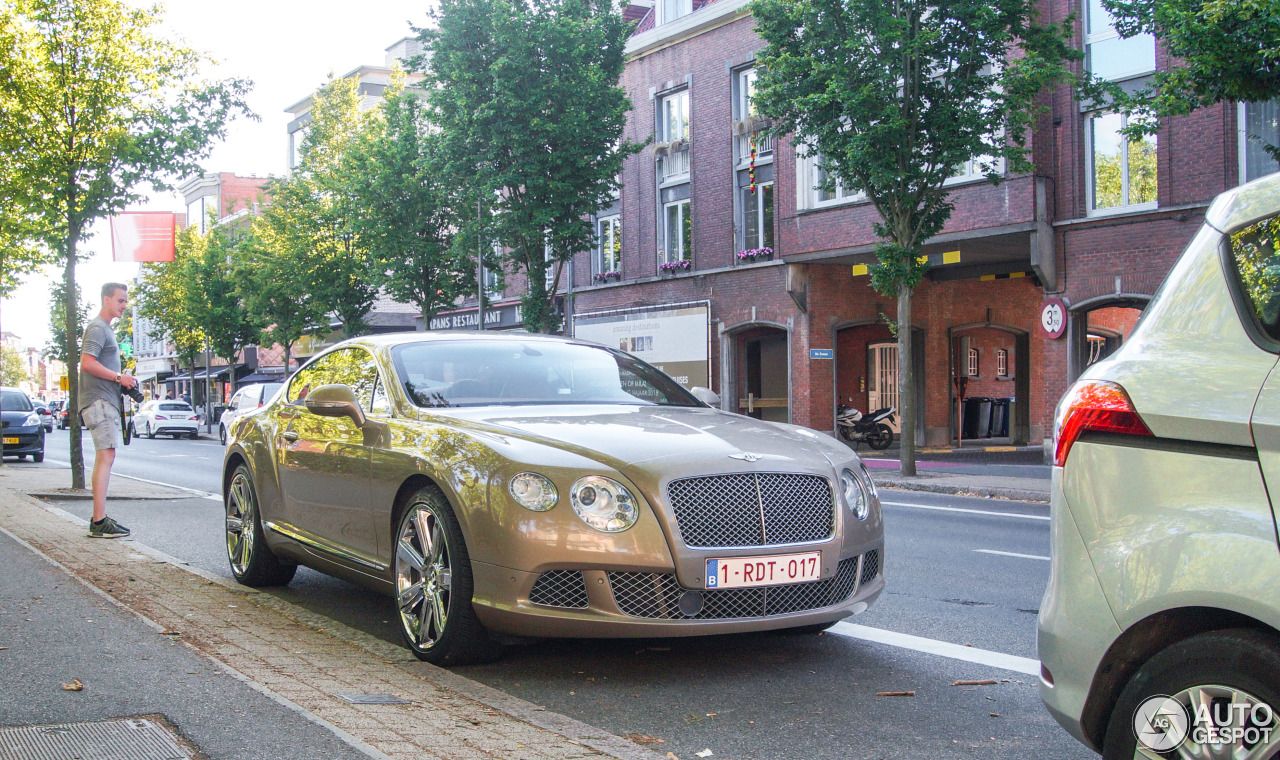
x=721 y=260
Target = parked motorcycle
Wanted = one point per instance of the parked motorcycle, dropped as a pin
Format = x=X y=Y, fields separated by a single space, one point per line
x=855 y=427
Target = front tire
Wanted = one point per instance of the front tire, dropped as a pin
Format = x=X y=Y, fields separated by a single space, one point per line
x=1239 y=666
x=434 y=585
x=252 y=563
x=880 y=438
x=222 y=434
x=38 y=457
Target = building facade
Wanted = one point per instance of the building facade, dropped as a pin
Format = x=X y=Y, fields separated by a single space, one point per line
x=718 y=222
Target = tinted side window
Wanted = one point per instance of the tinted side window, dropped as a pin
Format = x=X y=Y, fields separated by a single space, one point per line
x=311 y=376
x=354 y=367
x=1256 y=253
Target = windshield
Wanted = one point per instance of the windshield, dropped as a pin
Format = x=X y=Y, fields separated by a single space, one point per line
x=447 y=373
x=14 y=401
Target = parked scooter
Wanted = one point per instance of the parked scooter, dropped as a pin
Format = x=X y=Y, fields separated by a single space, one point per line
x=855 y=427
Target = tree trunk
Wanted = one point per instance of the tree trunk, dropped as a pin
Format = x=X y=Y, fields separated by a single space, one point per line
x=906 y=385
x=288 y=350
x=71 y=310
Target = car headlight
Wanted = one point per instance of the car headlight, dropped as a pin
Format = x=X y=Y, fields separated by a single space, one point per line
x=855 y=494
x=32 y=419
x=534 y=492
x=604 y=504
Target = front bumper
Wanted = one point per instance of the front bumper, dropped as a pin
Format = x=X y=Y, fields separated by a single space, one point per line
x=569 y=603
x=1076 y=626
x=30 y=440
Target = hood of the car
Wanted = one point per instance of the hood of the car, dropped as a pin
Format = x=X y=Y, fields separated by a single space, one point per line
x=624 y=436
x=14 y=418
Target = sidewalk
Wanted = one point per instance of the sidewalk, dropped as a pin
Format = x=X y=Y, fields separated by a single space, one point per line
x=288 y=665
x=1023 y=477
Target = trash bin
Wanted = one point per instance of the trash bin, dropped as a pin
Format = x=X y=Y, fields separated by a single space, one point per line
x=984 y=418
x=972 y=408
x=1000 y=417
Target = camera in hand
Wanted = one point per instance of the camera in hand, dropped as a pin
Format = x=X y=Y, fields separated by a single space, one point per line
x=133 y=393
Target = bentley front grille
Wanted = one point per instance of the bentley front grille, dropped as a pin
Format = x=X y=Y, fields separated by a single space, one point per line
x=560 y=588
x=657 y=595
x=763 y=509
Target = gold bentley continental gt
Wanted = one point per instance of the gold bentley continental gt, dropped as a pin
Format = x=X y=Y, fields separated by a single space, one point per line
x=504 y=485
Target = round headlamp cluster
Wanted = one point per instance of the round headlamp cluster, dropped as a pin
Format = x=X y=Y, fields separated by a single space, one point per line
x=858 y=491
x=533 y=491
x=604 y=504
x=32 y=419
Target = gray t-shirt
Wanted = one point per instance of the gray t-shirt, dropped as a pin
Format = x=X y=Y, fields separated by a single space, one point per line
x=100 y=342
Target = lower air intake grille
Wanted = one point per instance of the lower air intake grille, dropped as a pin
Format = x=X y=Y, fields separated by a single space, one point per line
x=657 y=595
x=560 y=588
x=870 y=565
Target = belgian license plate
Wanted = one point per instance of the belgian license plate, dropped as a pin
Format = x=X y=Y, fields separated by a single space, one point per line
x=9 y=440
x=743 y=572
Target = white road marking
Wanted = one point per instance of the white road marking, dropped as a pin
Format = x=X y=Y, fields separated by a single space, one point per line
x=966 y=511
x=1012 y=554
x=941 y=648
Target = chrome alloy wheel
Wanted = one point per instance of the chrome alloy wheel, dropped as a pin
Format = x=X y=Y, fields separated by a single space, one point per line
x=1247 y=728
x=424 y=576
x=241 y=515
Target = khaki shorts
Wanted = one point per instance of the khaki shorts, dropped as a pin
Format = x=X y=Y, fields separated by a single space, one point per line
x=103 y=421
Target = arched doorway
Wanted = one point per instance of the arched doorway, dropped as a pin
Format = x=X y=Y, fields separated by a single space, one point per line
x=1099 y=326
x=866 y=376
x=991 y=369
x=758 y=360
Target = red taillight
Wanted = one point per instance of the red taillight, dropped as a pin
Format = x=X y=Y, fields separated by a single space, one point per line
x=161 y=417
x=1095 y=405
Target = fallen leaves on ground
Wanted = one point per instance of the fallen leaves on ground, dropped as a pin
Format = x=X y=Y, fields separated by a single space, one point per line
x=643 y=739
x=704 y=753
x=75 y=685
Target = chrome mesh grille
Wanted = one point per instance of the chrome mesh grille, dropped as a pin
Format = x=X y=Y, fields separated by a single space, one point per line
x=657 y=595
x=870 y=565
x=763 y=509
x=560 y=588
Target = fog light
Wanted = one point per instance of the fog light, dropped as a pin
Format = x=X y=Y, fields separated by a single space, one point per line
x=1045 y=675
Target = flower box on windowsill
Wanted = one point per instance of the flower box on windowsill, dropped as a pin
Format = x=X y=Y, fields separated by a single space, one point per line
x=673 y=268
x=753 y=255
x=604 y=278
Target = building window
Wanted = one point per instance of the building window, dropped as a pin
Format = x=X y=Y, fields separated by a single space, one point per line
x=673 y=117
x=670 y=10
x=746 y=107
x=1259 y=126
x=295 y=146
x=757 y=217
x=1108 y=55
x=677 y=231
x=1002 y=363
x=973 y=362
x=1122 y=171
x=198 y=214
x=492 y=278
x=608 y=253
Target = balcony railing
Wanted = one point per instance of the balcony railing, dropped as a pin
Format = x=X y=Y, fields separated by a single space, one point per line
x=764 y=146
x=675 y=164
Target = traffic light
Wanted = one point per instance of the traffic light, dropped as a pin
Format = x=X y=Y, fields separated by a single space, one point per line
x=126 y=347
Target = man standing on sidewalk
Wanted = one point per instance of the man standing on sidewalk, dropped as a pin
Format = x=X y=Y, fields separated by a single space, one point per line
x=100 y=386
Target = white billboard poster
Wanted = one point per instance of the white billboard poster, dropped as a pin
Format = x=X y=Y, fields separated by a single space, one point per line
x=675 y=339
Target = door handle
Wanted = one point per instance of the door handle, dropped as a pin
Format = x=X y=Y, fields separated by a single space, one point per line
x=289 y=436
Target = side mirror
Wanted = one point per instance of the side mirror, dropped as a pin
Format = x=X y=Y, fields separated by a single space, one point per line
x=335 y=401
x=706 y=396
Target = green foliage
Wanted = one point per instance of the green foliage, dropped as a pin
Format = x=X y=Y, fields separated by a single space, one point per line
x=164 y=297
x=526 y=96
x=95 y=105
x=403 y=202
x=273 y=276
x=56 y=348
x=12 y=369
x=1227 y=51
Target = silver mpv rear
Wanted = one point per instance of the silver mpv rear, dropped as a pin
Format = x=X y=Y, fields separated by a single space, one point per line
x=1159 y=633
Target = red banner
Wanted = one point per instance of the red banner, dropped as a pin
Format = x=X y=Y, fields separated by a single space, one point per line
x=143 y=236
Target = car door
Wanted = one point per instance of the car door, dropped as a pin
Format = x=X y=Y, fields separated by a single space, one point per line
x=324 y=465
x=1255 y=252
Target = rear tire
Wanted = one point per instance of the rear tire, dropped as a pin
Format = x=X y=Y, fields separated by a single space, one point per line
x=881 y=437
x=150 y=433
x=1210 y=668
x=22 y=457
x=252 y=562
x=434 y=585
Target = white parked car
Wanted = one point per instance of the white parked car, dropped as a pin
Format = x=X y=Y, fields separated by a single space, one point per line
x=167 y=417
x=246 y=399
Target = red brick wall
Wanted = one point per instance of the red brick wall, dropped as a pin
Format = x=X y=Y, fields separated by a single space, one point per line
x=239 y=193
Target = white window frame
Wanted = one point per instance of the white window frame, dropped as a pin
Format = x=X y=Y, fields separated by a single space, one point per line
x=1002 y=362
x=743 y=193
x=807 y=192
x=491 y=277
x=199 y=209
x=1242 y=129
x=1109 y=34
x=1124 y=172
x=746 y=87
x=610 y=241
x=684 y=252
x=973 y=362
x=665 y=14
x=681 y=96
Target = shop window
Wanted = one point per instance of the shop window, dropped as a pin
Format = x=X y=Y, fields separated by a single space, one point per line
x=1259 y=127
x=1109 y=55
x=973 y=362
x=1122 y=172
x=1002 y=363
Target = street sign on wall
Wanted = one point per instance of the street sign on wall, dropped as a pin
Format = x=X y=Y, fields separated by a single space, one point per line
x=674 y=338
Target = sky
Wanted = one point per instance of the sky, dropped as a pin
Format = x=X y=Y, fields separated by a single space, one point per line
x=288 y=48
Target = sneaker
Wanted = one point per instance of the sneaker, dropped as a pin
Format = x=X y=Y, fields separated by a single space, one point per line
x=107 y=528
